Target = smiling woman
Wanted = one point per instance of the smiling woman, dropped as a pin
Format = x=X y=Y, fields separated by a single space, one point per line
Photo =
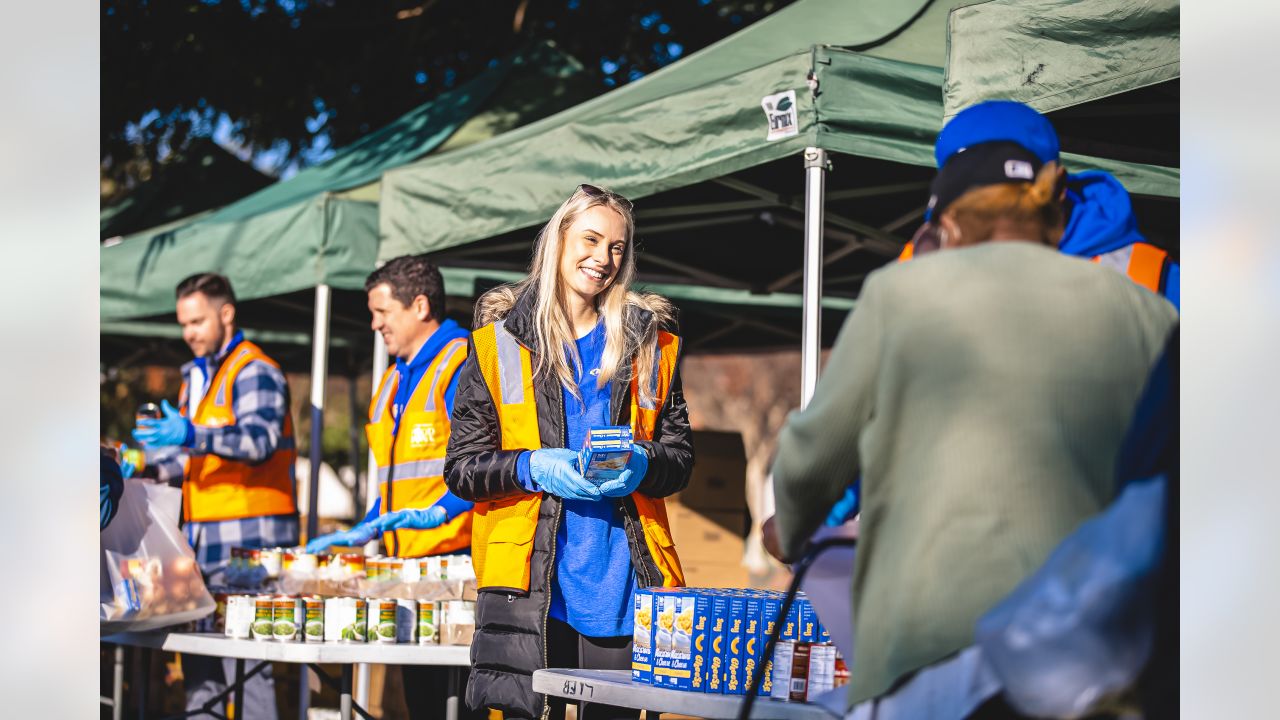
x=558 y=556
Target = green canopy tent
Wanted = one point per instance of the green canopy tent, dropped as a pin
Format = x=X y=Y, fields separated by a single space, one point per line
x=711 y=148
x=316 y=233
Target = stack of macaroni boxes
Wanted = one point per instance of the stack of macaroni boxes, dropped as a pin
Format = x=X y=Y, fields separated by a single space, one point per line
x=713 y=640
x=605 y=453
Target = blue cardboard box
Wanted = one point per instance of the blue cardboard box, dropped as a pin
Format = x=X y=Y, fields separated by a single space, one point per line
x=735 y=668
x=642 y=637
x=718 y=647
x=673 y=638
x=771 y=605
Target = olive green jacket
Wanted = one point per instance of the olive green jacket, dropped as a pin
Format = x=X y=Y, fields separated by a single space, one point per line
x=982 y=394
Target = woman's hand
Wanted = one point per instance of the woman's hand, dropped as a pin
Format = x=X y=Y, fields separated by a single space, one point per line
x=627 y=482
x=555 y=470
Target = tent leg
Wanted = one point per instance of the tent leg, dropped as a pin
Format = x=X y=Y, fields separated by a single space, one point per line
x=319 y=373
x=357 y=490
x=380 y=363
x=815 y=181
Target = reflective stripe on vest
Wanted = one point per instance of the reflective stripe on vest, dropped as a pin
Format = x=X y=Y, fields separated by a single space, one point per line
x=411 y=455
x=503 y=530
x=1142 y=262
x=220 y=489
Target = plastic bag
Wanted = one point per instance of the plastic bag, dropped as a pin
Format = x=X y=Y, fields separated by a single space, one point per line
x=149 y=577
x=1078 y=632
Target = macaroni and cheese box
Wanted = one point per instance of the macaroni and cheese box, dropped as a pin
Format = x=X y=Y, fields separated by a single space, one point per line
x=791 y=624
x=735 y=669
x=673 y=638
x=753 y=648
x=771 y=605
x=703 y=617
x=718 y=645
x=642 y=637
x=605 y=453
x=808 y=621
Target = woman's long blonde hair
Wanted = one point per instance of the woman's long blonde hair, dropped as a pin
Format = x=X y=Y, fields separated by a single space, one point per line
x=1035 y=205
x=551 y=321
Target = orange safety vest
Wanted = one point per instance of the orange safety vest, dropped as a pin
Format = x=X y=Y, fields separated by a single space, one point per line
x=411 y=460
x=1144 y=263
x=217 y=488
x=503 y=530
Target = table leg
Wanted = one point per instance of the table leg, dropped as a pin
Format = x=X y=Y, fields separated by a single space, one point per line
x=451 y=702
x=117 y=685
x=344 y=694
x=361 y=693
x=238 y=695
x=304 y=691
x=141 y=674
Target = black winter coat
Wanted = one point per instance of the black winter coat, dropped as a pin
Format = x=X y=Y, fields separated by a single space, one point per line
x=511 y=626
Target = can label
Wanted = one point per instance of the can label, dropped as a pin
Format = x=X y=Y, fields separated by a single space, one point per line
x=287 y=618
x=427 y=633
x=313 y=630
x=263 y=617
x=383 y=629
x=240 y=616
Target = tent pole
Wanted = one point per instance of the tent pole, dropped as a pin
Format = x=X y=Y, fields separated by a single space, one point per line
x=353 y=432
x=380 y=363
x=815 y=172
x=319 y=372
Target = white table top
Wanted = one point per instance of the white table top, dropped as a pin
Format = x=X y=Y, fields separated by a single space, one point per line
x=614 y=687
x=297 y=652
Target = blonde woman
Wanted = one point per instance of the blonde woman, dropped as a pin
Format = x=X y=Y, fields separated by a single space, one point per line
x=557 y=556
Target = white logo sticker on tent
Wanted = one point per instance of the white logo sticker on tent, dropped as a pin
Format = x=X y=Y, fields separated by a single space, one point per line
x=781 y=111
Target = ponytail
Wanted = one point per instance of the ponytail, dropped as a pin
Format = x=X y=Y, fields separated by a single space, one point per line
x=1037 y=204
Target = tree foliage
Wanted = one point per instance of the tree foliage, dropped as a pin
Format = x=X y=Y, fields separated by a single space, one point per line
x=294 y=75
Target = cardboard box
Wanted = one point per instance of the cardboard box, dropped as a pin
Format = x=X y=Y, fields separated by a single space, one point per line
x=719 y=479
x=642 y=637
x=718 y=647
x=673 y=638
x=735 y=669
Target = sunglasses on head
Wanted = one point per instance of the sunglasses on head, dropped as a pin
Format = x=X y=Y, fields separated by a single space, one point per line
x=598 y=192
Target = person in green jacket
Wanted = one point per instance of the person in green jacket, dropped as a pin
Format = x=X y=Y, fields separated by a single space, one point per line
x=982 y=393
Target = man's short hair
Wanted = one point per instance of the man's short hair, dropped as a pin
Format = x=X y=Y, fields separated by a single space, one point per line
x=409 y=276
x=214 y=286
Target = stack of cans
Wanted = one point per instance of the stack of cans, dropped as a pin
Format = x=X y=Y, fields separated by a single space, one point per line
x=713 y=640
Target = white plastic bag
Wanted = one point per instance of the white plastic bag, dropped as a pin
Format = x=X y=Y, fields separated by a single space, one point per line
x=149 y=577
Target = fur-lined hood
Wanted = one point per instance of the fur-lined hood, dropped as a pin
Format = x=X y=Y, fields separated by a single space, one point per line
x=646 y=313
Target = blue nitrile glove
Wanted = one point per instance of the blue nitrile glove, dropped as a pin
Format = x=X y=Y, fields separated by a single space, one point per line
x=555 y=470
x=846 y=507
x=172 y=429
x=431 y=517
x=629 y=479
x=355 y=537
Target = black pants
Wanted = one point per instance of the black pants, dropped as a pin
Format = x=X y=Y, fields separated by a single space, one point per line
x=426 y=689
x=566 y=648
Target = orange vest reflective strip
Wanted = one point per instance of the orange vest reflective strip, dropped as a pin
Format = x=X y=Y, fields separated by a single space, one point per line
x=503 y=530
x=908 y=252
x=220 y=489
x=1142 y=262
x=411 y=462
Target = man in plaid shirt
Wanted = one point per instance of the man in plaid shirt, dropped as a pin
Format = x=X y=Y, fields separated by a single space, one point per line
x=230 y=445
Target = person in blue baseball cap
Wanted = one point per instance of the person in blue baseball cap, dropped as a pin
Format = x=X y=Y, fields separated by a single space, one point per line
x=1100 y=225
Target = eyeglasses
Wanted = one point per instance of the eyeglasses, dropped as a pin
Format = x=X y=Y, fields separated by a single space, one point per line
x=597 y=192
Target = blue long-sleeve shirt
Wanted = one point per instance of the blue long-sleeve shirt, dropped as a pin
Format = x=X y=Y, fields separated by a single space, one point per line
x=594 y=578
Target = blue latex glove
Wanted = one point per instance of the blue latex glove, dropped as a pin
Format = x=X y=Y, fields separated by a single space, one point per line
x=431 y=517
x=629 y=479
x=555 y=470
x=355 y=537
x=845 y=508
x=172 y=429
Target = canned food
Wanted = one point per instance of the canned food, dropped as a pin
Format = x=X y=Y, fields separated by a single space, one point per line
x=240 y=617
x=373 y=568
x=428 y=613
x=382 y=620
x=411 y=570
x=352 y=562
x=289 y=616
x=271 y=561
x=392 y=569
x=263 y=617
x=313 y=628
x=344 y=619
x=149 y=411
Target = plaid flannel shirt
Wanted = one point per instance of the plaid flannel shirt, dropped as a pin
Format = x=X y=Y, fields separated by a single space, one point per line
x=259 y=400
